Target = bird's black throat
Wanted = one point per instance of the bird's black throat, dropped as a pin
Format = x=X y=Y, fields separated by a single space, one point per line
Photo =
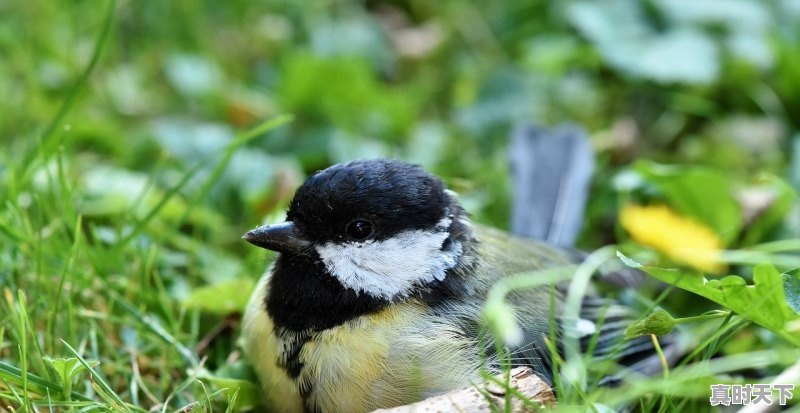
x=304 y=296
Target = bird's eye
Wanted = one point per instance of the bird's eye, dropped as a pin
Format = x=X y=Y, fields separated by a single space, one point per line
x=359 y=229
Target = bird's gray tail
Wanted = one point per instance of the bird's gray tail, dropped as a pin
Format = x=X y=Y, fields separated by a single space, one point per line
x=551 y=170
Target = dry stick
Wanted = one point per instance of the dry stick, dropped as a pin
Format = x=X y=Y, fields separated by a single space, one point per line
x=477 y=400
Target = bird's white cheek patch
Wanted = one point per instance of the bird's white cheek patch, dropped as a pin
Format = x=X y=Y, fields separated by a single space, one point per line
x=391 y=267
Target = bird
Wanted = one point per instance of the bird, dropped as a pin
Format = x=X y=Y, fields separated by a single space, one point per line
x=375 y=296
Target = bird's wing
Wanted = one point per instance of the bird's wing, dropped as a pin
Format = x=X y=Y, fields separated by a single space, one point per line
x=503 y=255
x=603 y=320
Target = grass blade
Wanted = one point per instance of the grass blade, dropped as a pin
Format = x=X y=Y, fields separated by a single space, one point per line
x=98 y=379
x=155 y=327
x=48 y=143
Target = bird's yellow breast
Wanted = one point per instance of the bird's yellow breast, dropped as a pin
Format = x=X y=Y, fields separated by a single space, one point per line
x=394 y=356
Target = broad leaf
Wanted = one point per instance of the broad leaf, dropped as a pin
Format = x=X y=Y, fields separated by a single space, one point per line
x=67 y=368
x=763 y=303
x=222 y=298
x=620 y=31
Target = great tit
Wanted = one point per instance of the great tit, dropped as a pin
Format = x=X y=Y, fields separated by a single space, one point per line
x=375 y=297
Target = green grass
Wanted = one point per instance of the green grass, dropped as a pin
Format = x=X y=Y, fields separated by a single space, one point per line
x=138 y=141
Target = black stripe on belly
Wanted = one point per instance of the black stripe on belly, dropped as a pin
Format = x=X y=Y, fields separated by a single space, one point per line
x=292 y=344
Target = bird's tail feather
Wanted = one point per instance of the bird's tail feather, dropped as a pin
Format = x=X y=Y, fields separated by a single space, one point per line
x=551 y=170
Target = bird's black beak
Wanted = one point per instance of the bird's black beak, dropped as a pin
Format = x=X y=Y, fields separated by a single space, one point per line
x=282 y=237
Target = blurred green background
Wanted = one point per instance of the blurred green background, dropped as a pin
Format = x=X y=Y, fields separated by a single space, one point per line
x=440 y=83
x=134 y=151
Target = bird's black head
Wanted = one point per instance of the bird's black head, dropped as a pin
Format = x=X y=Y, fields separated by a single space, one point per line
x=374 y=199
x=365 y=232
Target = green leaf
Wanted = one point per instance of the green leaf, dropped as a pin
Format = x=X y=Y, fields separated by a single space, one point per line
x=246 y=393
x=67 y=369
x=698 y=192
x=621 y=32
x=99 y=383
x=345 y=91
x=193 y=75
x=222 y=298
x=763 y=303
x=744 y=24
x=659 y=323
